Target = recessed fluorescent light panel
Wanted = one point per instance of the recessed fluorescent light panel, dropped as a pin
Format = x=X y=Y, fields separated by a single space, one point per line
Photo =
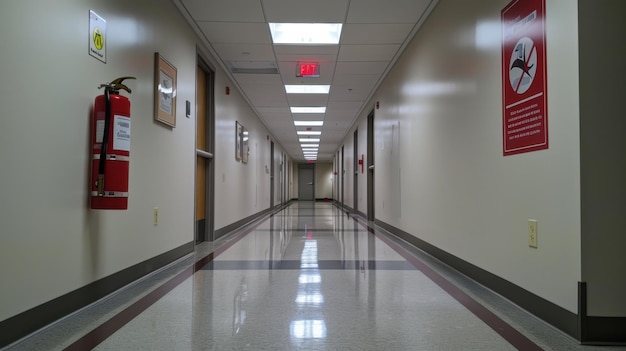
x=308 y=123
x=309 y=140
x=304 y=146
x=305 y=33
x=308 y=132
x=307 y=89
x=308 y=109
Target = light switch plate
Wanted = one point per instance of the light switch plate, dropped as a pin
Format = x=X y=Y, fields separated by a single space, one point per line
x=532 y=233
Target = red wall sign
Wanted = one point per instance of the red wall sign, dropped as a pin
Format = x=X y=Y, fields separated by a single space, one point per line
x=524 y=73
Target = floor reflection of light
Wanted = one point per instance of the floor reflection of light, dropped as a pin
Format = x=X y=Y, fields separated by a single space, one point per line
x=308 y=329
x=306 y=278
x=310 y=299
x=309 y=255
x=309 y=294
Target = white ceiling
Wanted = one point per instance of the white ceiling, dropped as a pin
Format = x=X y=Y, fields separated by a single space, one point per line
x=374 y=34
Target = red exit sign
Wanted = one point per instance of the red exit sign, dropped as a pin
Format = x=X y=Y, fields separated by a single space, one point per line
x=308 y=70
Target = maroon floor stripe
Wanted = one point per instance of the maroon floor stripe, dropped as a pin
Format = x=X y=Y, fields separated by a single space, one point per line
x=510 y=334
x=115 y=323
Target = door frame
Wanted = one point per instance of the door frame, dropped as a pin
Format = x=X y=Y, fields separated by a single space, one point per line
x=355 y=187
x=271 y=174
x=371 y=216
x=208 y=154
x=343 y=177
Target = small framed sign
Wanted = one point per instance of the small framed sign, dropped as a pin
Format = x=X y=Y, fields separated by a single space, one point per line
x=238 y=140
x=164 y=91
x=97 y=36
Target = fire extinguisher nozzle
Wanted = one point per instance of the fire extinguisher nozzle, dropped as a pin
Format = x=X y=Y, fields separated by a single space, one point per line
x=100 y=184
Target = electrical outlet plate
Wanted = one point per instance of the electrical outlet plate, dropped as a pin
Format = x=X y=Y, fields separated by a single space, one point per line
x=532 y=233
x=156 y=216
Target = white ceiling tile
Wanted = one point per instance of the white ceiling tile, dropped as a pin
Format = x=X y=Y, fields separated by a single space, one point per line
x=321 y=58
x=305 y=11
x=245 y=52
x=380 y=33
x=334 y=135
x=254 y=80
x=364 y=80
x=334 y=115
x=268 y=112
x=306 y=49
x=353 y=92
x=232 y=33
x=225 y=11
x=307 y=100
x=367 y=52
x=368 y=68
x=292 y=79
x=266 y=96
x=388 y=11
x=309 y=116
x=334 y=106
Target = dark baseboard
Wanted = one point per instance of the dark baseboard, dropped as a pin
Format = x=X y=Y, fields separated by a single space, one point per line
x=598 y=330
x=362 y=215
x=605 y=331
x=348 y=209
x=27 y=322
x=540 y=307
x=324 y=200
x=200 y=230
x=240 y=223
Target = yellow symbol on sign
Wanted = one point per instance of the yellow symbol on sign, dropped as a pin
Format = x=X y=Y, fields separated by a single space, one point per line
x=98 y=38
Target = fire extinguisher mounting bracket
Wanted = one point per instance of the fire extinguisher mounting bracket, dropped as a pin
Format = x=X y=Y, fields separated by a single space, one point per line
x=116 y=85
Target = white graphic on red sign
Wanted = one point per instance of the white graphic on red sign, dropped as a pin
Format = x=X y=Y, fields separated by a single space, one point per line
x=523 y=65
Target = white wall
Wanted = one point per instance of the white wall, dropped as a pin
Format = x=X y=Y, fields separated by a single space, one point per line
x=241 y=189
x=50 y=243
x=348 y=174
x=440 y=173
x=323 y=180
x=48 y=235
x=294 y=180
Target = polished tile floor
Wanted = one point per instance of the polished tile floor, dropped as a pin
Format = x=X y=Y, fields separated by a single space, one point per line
x=309 y=277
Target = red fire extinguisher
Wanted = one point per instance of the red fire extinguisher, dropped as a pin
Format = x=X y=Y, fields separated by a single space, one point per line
x=110 y=148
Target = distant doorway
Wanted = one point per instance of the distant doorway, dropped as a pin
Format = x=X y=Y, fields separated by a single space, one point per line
x=306 y=184
x=205 y=146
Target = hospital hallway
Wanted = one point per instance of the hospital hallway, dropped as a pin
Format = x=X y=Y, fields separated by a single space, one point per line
x=308 y=277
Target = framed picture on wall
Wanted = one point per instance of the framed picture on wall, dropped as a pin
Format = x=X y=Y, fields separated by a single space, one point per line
x=164 y=91
x=245 y=149
x=238 y=140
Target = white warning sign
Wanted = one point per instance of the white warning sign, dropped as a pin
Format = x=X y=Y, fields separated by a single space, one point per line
x=121 y=136
x=97 y=36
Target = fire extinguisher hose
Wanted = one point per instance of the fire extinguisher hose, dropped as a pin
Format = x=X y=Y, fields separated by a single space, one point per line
x=105 y=141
